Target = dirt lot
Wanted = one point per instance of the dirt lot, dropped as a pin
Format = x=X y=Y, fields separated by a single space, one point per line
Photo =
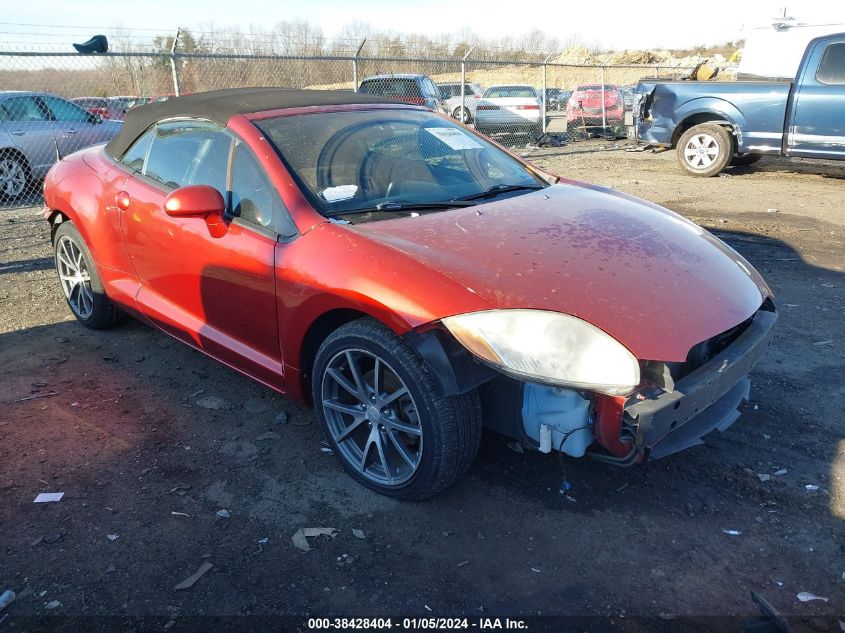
x=112 y=419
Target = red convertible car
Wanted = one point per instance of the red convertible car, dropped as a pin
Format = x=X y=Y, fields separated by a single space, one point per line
x=411 y=279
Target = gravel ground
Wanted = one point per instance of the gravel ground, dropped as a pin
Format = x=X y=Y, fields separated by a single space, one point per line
x=122 y=423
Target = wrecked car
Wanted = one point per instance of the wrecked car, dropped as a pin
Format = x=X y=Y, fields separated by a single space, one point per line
x=410 y=279
x=716 y=124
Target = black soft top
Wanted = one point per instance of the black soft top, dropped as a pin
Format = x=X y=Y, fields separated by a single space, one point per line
x=221 y=105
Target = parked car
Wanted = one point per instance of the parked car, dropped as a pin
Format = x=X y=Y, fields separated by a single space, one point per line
x=509 y=108
x=592 y=105
x=464 y=110
x=628 y=96
x=556 y=98
x=36 y=129
x=165 y=97
x=127 y=102
x=105 y=108
x=410 y=279
x=716 y=124
x=414 y=89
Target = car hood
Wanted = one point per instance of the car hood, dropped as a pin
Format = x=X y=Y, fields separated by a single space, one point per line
x=656 y=282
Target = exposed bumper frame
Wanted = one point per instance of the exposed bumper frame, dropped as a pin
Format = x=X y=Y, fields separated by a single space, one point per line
x=704 y=400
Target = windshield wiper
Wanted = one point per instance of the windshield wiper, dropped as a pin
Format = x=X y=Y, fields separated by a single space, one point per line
x=495 y=190
x=406 y=206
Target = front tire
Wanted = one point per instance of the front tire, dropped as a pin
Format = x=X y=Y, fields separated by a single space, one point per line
x=382 y=414
x=80 y=282
x=705 y=150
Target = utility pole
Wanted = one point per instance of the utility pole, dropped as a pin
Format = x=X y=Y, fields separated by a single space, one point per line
x=173 y=62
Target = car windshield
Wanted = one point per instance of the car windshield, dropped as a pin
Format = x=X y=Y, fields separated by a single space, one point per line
x=355 y=161
x=391 y=87
x=511 y=91
x=595 y=87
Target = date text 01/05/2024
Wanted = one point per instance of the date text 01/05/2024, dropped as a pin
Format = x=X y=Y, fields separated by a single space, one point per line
x=408 y=624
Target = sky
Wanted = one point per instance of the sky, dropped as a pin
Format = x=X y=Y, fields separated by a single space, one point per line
x=619 y=24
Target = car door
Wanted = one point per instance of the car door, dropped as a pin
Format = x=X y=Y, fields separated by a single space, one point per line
x=31 y=132
x=207 y=282
x=817 y=128
x=73 y=126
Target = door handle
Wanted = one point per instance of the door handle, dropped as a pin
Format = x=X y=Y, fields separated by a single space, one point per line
x=18 y=132
x=71 y=131
x=122 y=200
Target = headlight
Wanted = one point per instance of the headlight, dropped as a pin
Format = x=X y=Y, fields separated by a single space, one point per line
x=548 y=347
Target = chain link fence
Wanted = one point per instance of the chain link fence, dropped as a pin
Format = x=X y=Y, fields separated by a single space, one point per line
x=515 y=101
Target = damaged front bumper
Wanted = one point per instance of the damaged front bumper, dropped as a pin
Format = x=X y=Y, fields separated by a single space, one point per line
x=665 y=422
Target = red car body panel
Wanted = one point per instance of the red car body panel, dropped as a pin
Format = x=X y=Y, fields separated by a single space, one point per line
x=336 y=267
x=652 y=280
x=588 y=104
x=210 y=288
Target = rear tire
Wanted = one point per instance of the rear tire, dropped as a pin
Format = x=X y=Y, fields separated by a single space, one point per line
x=80 y=282
x=14 y=175
x=464 y=117
x=383 y=416
x=704 y=150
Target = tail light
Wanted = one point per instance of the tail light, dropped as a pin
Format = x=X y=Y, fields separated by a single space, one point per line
x=414 y=100
x=528 y=107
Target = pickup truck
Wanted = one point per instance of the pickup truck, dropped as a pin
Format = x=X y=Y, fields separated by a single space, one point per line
x=716 y=124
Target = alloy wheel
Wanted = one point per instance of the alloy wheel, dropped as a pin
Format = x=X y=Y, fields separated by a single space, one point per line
x=462 y=114
x=372 y=417
x=12 y=177
x=701 y=151
x=75 y=278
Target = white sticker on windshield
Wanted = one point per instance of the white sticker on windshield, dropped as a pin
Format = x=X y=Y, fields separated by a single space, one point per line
x=454 y=138
x=338 y=193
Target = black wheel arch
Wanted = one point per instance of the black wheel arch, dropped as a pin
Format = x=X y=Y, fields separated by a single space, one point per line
x=55 y=218
x=454 y=369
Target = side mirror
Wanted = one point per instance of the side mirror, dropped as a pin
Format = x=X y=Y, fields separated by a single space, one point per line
x=194 y=201
x=95 y=118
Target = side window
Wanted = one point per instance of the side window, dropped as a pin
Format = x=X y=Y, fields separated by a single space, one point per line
x=254 y=199
x=137 y=152
x=402 y=88
x=22 y=109
x=832 y=66
x=430 y=88
x=189 y=153
x=65 y=110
